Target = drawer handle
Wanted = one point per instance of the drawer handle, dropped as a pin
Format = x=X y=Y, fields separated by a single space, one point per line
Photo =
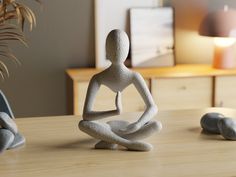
x=221 y=104
x=183 y=88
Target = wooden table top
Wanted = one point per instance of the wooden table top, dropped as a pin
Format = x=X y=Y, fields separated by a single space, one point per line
x=55 y=147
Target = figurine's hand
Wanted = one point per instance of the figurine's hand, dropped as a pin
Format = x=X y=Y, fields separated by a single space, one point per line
x=118 y=102
x=131 y=128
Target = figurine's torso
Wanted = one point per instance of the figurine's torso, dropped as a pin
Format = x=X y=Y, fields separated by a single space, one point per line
x=117 y=78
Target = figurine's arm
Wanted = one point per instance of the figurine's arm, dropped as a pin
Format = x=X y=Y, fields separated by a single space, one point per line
x=90 y=115
x=151 y=108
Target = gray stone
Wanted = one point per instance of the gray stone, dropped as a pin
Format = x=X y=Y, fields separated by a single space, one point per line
x=8 y=123
x=18 y=141
x=209 y=122
x=227 y=127
x=6 y=139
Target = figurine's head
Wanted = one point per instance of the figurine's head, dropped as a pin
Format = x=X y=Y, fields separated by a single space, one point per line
x=117 y=46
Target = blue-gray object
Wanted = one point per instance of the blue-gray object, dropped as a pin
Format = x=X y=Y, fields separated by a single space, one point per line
x=4 y=105
x=9 y=136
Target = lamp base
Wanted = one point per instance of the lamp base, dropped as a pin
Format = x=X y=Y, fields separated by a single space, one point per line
x=224 y=57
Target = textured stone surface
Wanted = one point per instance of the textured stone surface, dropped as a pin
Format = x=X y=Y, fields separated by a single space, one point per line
x=18 y=141
x=227 y=127
x=209 y=122
x=117 y=77
x=105 y=145
x=8 y=123
x=6 y=139
x=139 y=146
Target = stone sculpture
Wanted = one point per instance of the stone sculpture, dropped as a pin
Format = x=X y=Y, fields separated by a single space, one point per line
x=9 y=136
x=117 y=77
x=217 y=123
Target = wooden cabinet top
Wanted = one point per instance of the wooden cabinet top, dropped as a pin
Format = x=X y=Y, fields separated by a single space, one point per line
x=183 y=70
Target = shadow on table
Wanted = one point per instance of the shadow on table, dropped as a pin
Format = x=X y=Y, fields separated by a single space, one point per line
x=85 y=143
x=69 y=145
x=204 y=135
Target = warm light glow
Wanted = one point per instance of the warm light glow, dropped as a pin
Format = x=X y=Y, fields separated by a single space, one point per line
x=224 y=41
x=226 y=8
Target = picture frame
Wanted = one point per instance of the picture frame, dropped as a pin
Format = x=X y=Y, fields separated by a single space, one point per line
x=152 y=37
x=114 y=14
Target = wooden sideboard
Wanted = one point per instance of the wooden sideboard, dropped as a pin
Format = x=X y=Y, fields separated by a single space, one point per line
x=179 y=87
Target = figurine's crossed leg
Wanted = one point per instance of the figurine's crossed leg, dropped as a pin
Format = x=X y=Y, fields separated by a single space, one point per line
x=110 y=135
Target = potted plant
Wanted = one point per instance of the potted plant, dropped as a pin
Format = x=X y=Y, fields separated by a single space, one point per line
x=13 y=16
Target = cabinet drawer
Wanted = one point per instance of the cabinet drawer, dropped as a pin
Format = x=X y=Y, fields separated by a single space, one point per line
x=105 y=99
x=225 y=94
x=182 y=93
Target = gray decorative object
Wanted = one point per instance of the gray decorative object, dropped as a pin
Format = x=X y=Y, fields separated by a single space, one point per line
x=117 y=77
x=8 y=123
x=209 y=122
x=4 y=105
x=219 y=124
x=6 y=139
x=9 y=136
x=227 y=128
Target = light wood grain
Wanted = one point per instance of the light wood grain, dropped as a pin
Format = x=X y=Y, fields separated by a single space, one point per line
x=182 y=93
x=55 y=147
x=225 y=94
x=105 y=99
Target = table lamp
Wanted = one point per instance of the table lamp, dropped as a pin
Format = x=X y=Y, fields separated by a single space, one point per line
x=221 y=25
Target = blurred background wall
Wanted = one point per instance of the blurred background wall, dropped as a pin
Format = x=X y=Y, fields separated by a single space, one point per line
x=64 y=38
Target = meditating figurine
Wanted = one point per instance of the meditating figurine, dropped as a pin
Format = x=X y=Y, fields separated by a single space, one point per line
x=217 y=123
x=117 y=77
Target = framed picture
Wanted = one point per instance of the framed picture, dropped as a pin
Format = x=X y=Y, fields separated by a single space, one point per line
x=152 y=37
x=113 y=14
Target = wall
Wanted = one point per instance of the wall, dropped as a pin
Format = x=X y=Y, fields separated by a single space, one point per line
x=64 y=38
